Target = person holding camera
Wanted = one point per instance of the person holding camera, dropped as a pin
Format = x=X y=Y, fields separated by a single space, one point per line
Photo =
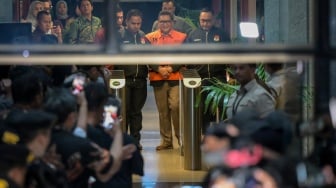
x=102 y=110
x=81 y=157
x=45 y=32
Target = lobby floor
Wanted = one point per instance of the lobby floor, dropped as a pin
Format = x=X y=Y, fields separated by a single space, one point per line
x=162 y=168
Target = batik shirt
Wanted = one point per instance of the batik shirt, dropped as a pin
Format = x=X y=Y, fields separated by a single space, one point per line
x=83 y=31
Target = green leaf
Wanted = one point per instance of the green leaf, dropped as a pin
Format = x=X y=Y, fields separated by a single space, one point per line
x=217 y=95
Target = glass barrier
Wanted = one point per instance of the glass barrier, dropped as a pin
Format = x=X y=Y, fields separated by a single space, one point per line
x=103 y=26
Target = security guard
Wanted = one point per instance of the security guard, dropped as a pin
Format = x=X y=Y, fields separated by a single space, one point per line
x=32 y=129
x=136 y=76
x=251 y=93
x=13 y=165
x=206 y=33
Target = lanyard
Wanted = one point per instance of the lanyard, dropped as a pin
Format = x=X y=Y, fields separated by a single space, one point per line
x=236 y=101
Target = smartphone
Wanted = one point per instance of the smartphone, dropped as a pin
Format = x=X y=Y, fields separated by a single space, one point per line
x=110 y=116
x=78 y=84
x=57 y=23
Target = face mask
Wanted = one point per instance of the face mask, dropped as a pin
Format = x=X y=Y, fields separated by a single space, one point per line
x=213 y=158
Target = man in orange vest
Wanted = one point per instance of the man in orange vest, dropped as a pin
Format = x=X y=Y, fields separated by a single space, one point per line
x=165 y=80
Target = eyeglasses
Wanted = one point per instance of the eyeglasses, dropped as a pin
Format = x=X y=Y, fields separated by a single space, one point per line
x=165 y=21
x=205 y=21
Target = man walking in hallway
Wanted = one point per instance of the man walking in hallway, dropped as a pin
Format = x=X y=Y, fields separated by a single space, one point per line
x=165 y=80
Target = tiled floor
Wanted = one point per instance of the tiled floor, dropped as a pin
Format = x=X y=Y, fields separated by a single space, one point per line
x=162 y=168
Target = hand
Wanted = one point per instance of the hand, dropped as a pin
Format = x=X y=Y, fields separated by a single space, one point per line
x=75 y=168
x=328 y=174
x=115 y=128
x=53 y=158
x=75 y=171
x=104 y=159
x=6 y=85
x=57 y=31
x=128 y=151
x=169 y=69
x=265 y=179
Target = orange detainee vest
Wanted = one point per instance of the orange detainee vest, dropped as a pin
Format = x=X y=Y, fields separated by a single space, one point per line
x=174 y=37
x=154 y=76
x=156 y=38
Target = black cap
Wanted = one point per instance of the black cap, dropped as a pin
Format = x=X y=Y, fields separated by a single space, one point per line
x=14 y=155
x=30 y=120
x=27 y=123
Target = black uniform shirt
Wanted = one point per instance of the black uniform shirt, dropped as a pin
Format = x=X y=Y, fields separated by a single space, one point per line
x=70 y=147
x=123 y=178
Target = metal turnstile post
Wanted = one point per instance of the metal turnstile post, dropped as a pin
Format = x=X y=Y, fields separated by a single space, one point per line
x=191 y=121
x=117 y=84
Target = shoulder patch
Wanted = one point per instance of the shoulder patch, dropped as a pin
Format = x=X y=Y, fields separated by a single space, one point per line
x=3 y=183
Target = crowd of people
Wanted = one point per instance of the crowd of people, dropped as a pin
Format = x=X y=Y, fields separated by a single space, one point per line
x=60 y=125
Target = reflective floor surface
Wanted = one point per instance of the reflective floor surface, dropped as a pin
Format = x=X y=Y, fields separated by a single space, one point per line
x=163 y=169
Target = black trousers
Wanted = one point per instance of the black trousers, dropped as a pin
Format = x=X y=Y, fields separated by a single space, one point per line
x=136 y=95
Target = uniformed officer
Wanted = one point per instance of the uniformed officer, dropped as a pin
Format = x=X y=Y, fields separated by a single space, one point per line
x=13 y=165
x=251 y=94
x=136 y=75
x=79 y=155
x=206 y=33
x=32 y=129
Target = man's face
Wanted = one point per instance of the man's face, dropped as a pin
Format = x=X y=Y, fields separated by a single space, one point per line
x=134 y=24
x=206 y=20
x=46 y=6
x=44 y=140
x=45 y=23
x=165 y=24
x=120 y=18
x=86 y=8
x=243 y=73
x=168 y=7
x=213 y=144
x=93 y=73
